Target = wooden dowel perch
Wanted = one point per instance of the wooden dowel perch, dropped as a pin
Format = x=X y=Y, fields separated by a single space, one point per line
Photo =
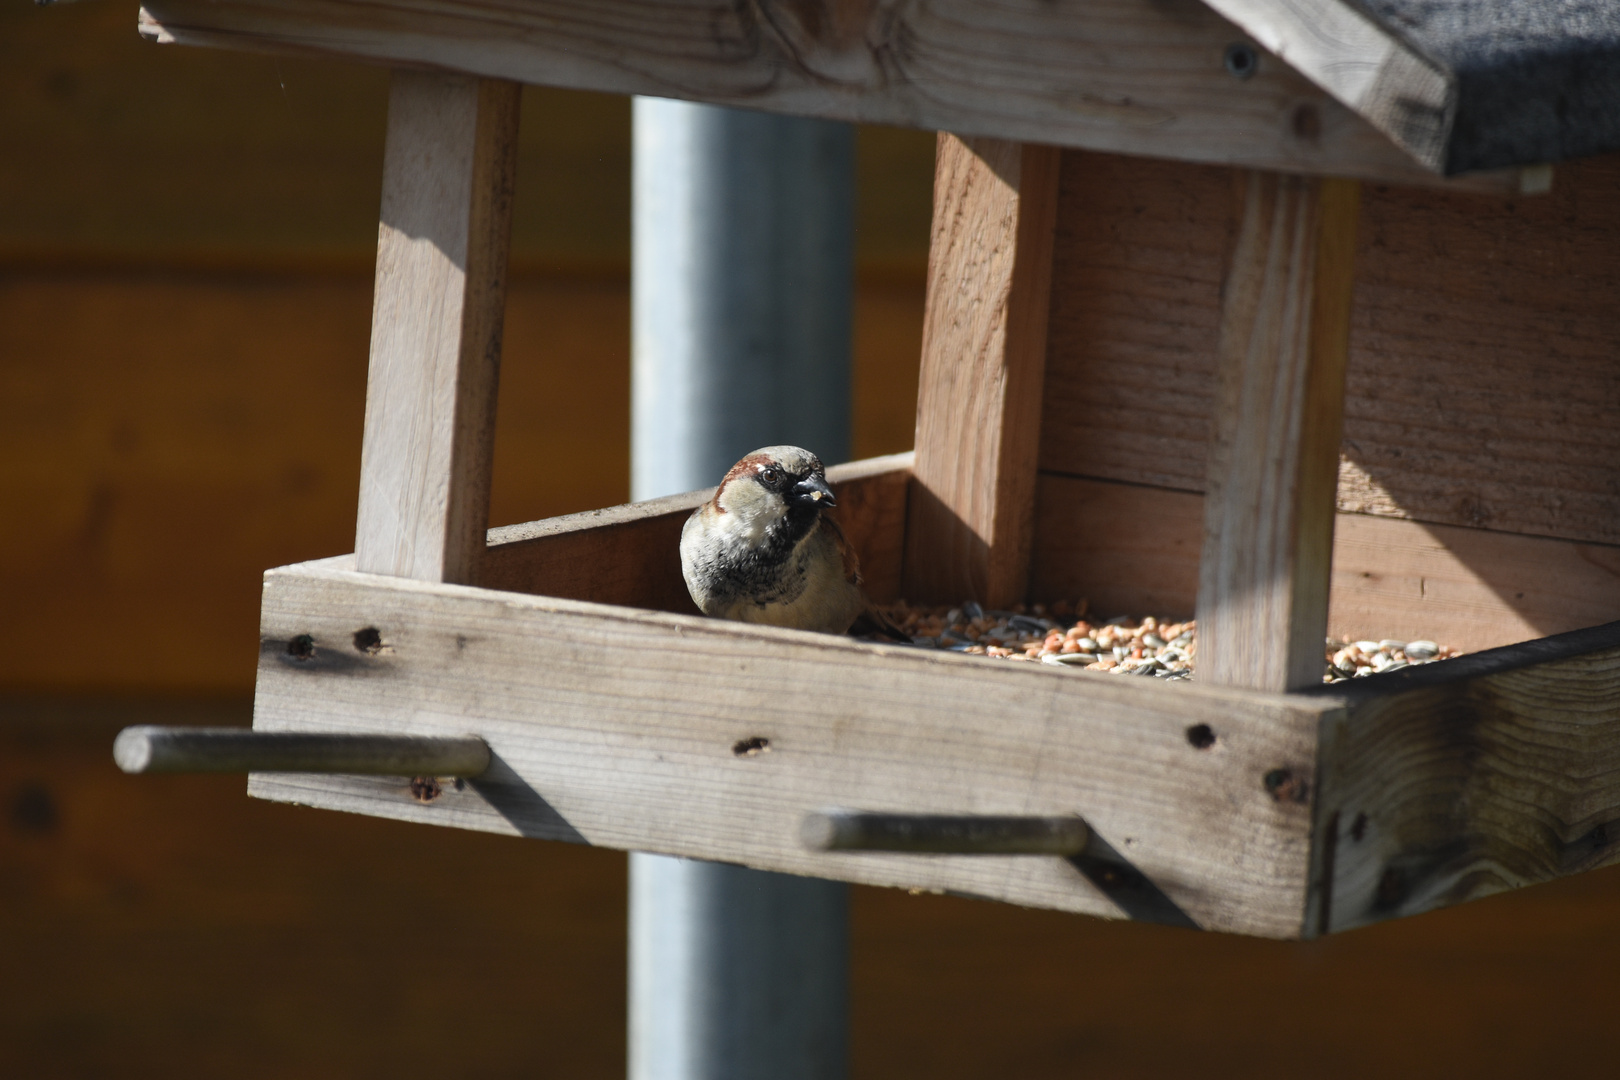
x=152 y=749
x=943 y=834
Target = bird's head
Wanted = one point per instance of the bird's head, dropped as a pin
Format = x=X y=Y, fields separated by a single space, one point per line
x=773 y=483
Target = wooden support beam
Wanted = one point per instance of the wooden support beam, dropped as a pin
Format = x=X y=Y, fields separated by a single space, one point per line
x=1279 y=407
x=984 y=358
x=448 y=174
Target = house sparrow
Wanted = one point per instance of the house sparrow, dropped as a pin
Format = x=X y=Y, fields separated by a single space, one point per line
x=762 y=551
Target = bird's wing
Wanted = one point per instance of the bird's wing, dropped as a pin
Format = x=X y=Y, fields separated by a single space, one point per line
x=871 y=621
x=852 y=561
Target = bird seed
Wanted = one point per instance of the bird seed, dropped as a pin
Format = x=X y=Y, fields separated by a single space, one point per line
x=1060 y=634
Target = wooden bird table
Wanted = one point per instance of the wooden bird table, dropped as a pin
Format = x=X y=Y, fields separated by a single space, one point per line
x=1212 y=322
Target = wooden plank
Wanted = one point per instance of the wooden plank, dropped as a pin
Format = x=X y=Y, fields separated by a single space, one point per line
x=152 y=901
x=1480 y=390
x=618 y=727
x=1264 y=573
x=448 y=175
x=1440 y=786
x=1342 y=49
x=1124 y=549
x=630 y=555
x=1129 y=76
x=983 y=363
x=1134 y=550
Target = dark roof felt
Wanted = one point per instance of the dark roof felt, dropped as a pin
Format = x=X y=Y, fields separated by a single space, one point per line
x=1537 y=80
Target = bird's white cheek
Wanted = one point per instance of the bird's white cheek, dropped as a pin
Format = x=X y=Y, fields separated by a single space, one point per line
x=745 y=521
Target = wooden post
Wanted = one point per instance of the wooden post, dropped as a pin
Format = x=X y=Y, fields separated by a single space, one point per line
x=984 y=356
x=448 y=174
x=1273 y=465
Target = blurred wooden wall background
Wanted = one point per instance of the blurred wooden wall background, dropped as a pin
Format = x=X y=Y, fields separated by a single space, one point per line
x=185 y=278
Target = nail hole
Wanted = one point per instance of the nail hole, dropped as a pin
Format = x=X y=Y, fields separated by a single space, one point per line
x=369 y=640
x=1307 y=122
x=1201 y=736
x=461 y=785
x=1241 y=61
x=1284 y=786
x=753 y=746
x=425 y=789
x=1358 y=828
x=301 y=647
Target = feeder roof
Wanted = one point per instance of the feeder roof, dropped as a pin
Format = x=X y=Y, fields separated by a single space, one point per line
x=1457 y=85
x=1535 y=81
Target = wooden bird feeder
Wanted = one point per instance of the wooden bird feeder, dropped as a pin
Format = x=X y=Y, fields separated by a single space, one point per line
x=1164 y=232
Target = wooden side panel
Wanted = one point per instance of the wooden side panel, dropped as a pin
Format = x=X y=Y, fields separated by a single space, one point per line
x=1439 y=791
x=618 y=728
x=630 y=555
x=1485 y=367
x=1120 y=75
x=1140 y=252
x=1134 y=550
x=1268 y=515
x=983 y=363
x=448 y=175
x=1481 y=387
x=1124 y=549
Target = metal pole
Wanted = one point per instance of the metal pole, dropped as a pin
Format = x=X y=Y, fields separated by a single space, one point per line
x=743 y=232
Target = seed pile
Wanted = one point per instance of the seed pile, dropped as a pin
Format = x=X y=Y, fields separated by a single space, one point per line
x=1060 y=634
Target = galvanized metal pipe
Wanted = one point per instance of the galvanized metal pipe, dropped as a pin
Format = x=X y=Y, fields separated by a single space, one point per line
x=742 y=286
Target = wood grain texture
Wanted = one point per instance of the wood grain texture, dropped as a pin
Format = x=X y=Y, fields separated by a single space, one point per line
x=1134 y=550
x=983 y=365
x=1340 y=48
x=617 y=727
x=1123 y=548
x=1264 y=572
x=630 y=555
x=1483 y=387
x=425 y=464
x=1439 y=790
x=1129 y=76
x=1480 y=388
x=168 y=917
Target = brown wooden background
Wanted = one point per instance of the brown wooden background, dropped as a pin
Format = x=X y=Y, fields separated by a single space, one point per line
x=184 y=302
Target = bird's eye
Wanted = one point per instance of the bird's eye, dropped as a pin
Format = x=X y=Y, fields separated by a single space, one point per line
x=769 y=474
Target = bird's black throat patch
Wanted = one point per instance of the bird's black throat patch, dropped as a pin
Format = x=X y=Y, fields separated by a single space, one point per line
x=773 y=572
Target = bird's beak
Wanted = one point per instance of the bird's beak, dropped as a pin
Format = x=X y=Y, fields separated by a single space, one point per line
x=813 y=490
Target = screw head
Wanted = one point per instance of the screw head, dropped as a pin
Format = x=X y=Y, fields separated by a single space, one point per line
x=1241 y=60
